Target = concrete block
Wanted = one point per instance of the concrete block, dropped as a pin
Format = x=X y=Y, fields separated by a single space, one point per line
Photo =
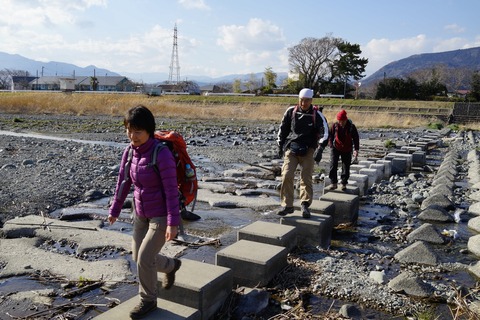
x=372 y=174
x=199 y=285
x=352 y=188
x=346 y=207
x=388 y=167
x=420 y=144
x=380 y=167
x=410 y=149
x=316 y=231
x=270 y=233
x=419 y=158
x=408 y=158
x=365 y=163
x=253 y=263
x=166 y=310
x=357 y=167
x=399 y=165
x=361 y=181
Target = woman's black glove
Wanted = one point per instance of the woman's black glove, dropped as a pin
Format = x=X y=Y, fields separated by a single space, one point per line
x=317 y=155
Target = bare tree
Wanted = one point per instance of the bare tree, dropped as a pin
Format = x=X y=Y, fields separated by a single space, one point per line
x=252 y=83
x=312 y=59
x=453 y=78
x=237 y=86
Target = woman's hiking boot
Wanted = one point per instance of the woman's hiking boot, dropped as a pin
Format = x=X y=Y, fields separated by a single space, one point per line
x=169 y=278
x=142 y=309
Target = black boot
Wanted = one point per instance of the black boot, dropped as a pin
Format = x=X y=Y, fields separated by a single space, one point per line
x=305 y=210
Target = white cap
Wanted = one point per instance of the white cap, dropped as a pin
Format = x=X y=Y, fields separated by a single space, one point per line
x=306 y=93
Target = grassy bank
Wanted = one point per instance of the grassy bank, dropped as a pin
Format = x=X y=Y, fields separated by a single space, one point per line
x=265 y=109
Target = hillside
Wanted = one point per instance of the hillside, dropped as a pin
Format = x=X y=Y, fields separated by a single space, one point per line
x=465 y=59
x=51 y=68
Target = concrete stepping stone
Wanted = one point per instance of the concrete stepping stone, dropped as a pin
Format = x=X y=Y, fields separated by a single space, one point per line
x=166 y=310
x=269 y=233
x=253 y=263
x=200 y=286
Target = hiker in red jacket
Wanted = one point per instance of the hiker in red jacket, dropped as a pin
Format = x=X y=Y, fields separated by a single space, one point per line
x=343 y=139
x=156 y=206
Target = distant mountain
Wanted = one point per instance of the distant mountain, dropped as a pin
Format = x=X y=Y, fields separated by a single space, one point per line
x=200 y=80
x=33 y=67
x=463 y=58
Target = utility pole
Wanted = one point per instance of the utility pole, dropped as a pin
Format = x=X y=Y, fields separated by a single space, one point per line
x=174 y=76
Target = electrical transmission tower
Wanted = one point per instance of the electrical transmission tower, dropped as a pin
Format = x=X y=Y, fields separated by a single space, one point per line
x=174 y=76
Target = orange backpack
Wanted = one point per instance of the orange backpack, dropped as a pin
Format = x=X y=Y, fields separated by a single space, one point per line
x=187 y=181
x=186 y=171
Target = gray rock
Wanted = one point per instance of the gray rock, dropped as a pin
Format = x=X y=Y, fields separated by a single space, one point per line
x=350 y=311
x=475 y=196
x=410 y=285
x=438 y=200
x=474 y=245
x=378 y=276
x=426 y=232
x=474 y=224
x=475 y=307
x=419 y=252
x=441 y=189
x=475 y=209
x=435 y=213
x=252 y=301
x=475 y=269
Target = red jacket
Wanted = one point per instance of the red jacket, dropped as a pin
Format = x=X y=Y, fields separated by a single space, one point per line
x=155 y=194
x=344 y=139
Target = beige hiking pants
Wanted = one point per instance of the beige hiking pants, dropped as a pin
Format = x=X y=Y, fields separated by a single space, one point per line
x=148 y=239
x=288 y=177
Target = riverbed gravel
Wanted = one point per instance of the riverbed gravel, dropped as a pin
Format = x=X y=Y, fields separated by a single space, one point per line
x=44 y=168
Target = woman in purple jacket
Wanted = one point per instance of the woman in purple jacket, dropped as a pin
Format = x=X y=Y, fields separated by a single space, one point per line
x=156 y=206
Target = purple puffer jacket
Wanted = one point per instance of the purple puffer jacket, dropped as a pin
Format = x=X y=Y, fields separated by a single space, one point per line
x=155 y=195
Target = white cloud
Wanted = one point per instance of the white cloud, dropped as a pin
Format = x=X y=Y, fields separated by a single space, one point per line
x=194 y=4
x=383 y=51
x=454 y=28
x=255 y=46
x=257 y=35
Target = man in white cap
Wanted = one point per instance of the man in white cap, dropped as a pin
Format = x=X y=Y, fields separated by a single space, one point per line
x=301 y=139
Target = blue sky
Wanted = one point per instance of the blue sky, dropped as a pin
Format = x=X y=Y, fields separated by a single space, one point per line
x=222 y=37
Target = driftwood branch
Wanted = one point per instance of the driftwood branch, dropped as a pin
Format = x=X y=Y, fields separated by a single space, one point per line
x=47 y=226
x=275 y=170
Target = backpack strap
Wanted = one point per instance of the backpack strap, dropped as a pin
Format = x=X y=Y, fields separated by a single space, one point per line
x=153 y=161
x=314 y=114
x=126 y=173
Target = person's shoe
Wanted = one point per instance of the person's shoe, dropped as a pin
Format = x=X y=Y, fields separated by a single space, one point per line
x=305 y=210
x=283 y=211
x=142 y=309
x=333 y=186
x=344 y=187
x=169 y=278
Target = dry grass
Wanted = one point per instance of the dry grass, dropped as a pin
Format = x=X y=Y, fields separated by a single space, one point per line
x=264 y=109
